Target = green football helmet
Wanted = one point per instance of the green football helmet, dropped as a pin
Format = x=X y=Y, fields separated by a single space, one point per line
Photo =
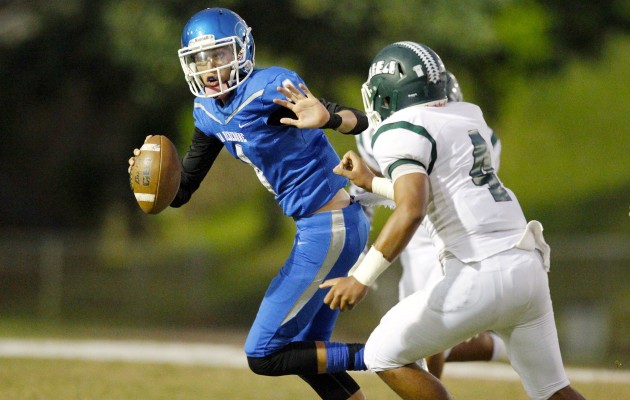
x=453 y=91
x=403 y=74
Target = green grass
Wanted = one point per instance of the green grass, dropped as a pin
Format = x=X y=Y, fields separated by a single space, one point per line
x=63 y=379
x=27 y=379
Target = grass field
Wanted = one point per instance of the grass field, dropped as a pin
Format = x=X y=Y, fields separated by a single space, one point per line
x=34 y=379
x=36 y=375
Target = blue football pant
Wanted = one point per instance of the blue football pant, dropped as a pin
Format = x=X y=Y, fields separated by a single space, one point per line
x=326 y=246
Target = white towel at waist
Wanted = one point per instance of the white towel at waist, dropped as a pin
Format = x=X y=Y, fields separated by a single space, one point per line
x=533 y=239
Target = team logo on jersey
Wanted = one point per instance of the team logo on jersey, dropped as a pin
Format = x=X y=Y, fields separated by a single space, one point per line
x=227 y=136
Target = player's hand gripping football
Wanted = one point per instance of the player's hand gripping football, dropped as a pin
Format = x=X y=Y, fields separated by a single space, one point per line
x=310 y=112
x=136 y=153
x=354 y=168
x=344 y=293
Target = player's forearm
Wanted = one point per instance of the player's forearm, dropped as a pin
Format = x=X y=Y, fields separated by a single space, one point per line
x=397 y=232
x=389 y=244
x=412 y=195
x=353 y=122
x=346 y=120
x=195 y=165
x=392 y=239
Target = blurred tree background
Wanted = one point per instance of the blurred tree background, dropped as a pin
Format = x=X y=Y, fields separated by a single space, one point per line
x=83 y=82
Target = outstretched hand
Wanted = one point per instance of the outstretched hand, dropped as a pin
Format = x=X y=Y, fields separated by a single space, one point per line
x=354 y=168
x=344 y=293
x=310 y=112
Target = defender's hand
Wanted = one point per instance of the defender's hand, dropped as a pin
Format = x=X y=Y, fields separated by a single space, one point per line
x=344 y=293
x=354 y=168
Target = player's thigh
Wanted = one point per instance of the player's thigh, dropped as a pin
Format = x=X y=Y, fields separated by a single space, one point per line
x=326 y=245
x=431 y=321
x=420 y=270
x=532 y=339
x=534 y=352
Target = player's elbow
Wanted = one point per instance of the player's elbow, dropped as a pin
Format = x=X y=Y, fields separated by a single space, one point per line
x=413 y=212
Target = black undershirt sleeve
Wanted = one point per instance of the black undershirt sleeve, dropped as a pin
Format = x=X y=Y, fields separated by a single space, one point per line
x=196 y=164
x=281 y=112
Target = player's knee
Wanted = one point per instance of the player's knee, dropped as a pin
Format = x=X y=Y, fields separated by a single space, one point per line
x=263 y=366
x=376 y=359
x=294 y=359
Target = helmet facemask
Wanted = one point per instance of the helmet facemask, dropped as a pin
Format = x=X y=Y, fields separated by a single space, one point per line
x=200 y=52
x=378 y=102
x=369 y=94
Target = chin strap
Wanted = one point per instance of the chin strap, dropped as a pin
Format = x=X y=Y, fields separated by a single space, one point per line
x=233 y=75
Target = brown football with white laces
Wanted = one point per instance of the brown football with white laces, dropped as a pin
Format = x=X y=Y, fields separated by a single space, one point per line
x=155 y=174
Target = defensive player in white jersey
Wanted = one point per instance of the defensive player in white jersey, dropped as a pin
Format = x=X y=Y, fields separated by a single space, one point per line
x=419 y=260
x=436 y=161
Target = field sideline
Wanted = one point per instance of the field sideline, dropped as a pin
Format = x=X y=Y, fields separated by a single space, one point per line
x=231 y=356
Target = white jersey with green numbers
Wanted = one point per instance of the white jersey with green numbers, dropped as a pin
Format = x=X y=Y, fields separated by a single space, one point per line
x=470 y=214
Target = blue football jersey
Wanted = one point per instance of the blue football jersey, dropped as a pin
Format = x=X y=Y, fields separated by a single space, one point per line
x=294 y=164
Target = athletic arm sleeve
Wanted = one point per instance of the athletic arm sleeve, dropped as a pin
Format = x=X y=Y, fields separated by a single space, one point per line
x=362 y=120
x=196 y=164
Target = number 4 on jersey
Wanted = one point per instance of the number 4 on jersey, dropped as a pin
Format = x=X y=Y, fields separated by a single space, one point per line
x=482 y=172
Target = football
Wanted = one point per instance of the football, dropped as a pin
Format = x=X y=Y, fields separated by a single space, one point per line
x=155 y=174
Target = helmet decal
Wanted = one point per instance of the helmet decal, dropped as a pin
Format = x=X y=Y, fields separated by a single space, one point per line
x=380 y=67
x=202 y=38
x=418 y=70
x=429 y=61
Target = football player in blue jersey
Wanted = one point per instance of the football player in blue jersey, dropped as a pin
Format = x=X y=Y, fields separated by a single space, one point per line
x=234 y=110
